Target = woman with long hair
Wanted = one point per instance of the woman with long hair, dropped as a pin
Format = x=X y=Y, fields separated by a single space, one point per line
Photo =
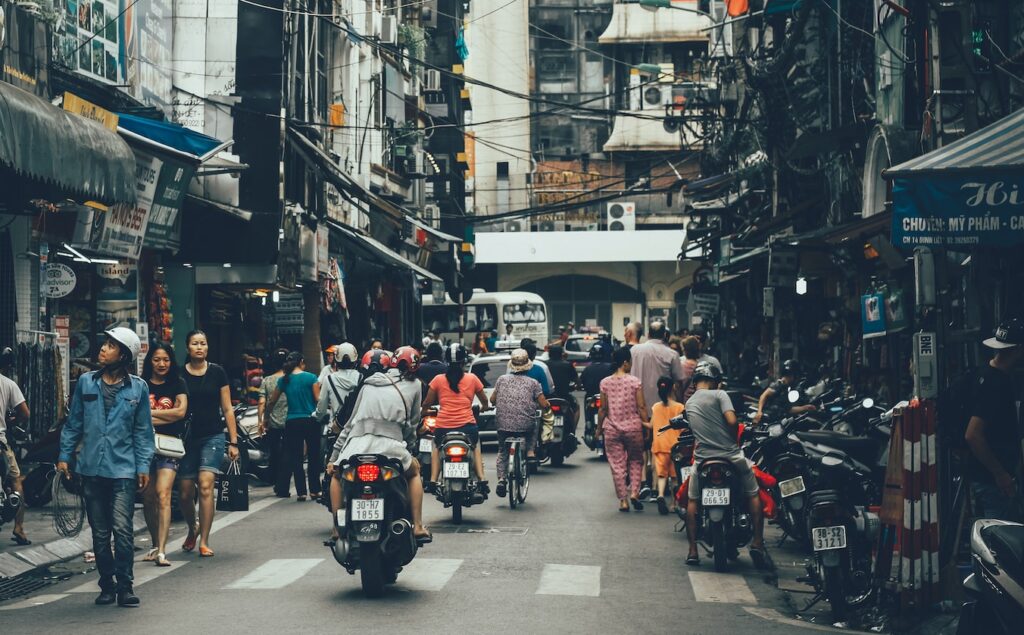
x=303 y=392
x=209 y=407
x=168 y=403
x=480 y=344
x=621 y=420
x=274 y=424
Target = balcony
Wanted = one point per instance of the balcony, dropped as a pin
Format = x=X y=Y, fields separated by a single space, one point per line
x=633 y=23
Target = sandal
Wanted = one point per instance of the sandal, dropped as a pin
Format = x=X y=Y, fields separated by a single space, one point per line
x=761 y=558
x=205 y=552
x=151 y=556
x=161 y=560
x=190 y=543
x=693 y=561
x=424 y=539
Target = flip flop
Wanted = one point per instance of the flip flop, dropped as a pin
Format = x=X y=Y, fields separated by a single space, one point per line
x=761 y=559
x=425 y=539
x=161 y=560
x=151 y=556
x=205 y=552
x=189 y=544
x=693 y=561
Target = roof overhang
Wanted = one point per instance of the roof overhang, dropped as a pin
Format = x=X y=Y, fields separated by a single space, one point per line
x=632 y=23
x=659 y=245
x=381 y=251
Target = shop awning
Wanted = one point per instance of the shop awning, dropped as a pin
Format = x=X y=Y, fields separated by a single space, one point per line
x=170 y=137
x=231 y=210
x=46 y=143
x=320 y=160
x=436 y=233
x=380 y=251
x=963 y=194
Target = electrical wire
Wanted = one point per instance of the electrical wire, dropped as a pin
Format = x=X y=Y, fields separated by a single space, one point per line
x=68 y=507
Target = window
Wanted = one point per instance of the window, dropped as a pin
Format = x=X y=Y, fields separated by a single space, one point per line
x=524 y=313
x=488 y=372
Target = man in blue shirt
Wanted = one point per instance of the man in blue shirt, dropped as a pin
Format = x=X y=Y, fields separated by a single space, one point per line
x=110 y=416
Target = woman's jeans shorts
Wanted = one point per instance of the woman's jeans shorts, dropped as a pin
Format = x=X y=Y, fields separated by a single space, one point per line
x=204 y=454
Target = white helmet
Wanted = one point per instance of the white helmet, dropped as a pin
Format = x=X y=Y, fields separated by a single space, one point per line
x=128 y=338
x=346 y=351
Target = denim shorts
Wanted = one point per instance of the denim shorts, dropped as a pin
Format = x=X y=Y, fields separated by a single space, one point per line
x=202 y=455
x=164 y=463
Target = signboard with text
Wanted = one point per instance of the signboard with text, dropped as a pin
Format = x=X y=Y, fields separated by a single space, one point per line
x=954 y=211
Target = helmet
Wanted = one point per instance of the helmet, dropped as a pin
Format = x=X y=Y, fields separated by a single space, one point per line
x=127 y=338
x=376 y=360
x=706 y=371
x=6 y=357
x=456 y=354
x=790 y=367
x=330 y=350
x=597 y=352
x=346 y=351
x=406 y=359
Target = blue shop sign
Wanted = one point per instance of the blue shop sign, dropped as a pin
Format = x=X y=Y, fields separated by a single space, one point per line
x=950 y=210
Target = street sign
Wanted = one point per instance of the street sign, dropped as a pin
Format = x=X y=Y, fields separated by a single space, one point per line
x=60 y=280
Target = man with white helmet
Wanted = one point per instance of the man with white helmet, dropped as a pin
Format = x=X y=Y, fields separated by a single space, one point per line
x=338 y=385
x=111 y=419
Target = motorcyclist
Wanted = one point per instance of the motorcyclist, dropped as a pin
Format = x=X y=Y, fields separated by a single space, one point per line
x=713 y=422
x=338 y=385
x=432 y=365
x=566 y=379
x=384 y=421
x=599 y=368
x=775 y=398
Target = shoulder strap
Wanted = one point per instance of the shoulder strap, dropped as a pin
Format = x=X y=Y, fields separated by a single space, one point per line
x=334 y=389
x=405 y=404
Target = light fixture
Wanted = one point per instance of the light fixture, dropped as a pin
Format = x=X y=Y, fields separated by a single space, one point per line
x=298 y=285
x=263 y=300
x=227 y=265
x=79 y=256
x=187 y=265
x=801 y=286
x=104 y=261
x=276 y=296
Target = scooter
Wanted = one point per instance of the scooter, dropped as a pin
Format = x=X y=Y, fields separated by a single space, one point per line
x=591 y=407
x=557 y=438
x=776 y=452
x=995 y=587
x=10 y=501
x=724 y=516
x=375 y=532
x=457 y=487
x=426 y=442
x=254 y=452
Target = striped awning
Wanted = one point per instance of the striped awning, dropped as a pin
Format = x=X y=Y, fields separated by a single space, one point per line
x=999 y=146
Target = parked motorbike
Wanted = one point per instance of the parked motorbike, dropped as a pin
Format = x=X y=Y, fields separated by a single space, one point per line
x=778 y=453
x=375 y=528
x=591 y=407
x=557 y=439
x=253 y=448
x=10 y=500
x=457 y=487
x=37 y=461
x=995 y=587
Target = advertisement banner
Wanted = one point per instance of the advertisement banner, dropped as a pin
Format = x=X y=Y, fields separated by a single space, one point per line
x=117 y=296
x=956 y=211
x=872 y=315
x=164 y=227
x=23 y=47
x=91 y=37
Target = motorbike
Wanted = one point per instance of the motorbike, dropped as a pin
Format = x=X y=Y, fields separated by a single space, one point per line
x=426 y=442
x=253 y=448
x=10 y=501
x=591 y=407
x=37 y=461
x=778 y=453
x=557 y=440
x=375 y=531
x=457 y=487
x=995 y=587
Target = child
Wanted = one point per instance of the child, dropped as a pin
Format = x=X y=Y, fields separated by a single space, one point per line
x=661 y=448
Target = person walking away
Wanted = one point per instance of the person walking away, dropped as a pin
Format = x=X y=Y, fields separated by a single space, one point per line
x=330 y=363
x=690 y=359
x=300 y=428
x=661 y=449
x=539 y=370
x=713 y=422
x=993 y=433
x=492 y=341
x=565 y=380
x=516 y=398
x=384 y=421
x=631 y=336
x=432 y=367
x=12 y=400
x=775 y=398
x=110 y=417
x=168 y=405
x=272 y=423
x=210 y=412
x=622 y=418
x=454 y=392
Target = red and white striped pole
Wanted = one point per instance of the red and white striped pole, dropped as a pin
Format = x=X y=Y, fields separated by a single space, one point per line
x=919 y=534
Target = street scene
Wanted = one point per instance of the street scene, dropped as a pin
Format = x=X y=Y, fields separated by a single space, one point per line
x=667 y=316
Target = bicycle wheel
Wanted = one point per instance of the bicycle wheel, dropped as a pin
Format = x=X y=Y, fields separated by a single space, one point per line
x=523 y=482
x=513 y=467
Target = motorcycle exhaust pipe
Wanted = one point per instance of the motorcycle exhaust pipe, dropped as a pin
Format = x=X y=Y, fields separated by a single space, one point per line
x=401 y=536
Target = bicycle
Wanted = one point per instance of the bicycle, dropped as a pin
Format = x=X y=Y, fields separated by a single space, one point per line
x=518 y=474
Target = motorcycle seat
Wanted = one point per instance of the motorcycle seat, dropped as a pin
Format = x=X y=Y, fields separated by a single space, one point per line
x=860 y=448
x=1007 y=541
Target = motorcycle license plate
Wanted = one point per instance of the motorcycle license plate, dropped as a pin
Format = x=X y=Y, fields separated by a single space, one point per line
x=558 y=421
x=716 y=496
x=685 y=472
x=791 y=487
x=426 y=445
x=827 y=538
x=368 y=509
x=456 y=470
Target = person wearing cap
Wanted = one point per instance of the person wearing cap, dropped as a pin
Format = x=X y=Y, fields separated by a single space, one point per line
x=705 y=343
x=331 y=365
x=110 y=416
x=992 y=435
x=775 y=398
x=516 y=398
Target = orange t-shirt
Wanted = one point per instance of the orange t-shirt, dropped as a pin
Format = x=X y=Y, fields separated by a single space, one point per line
x=456 y=408
x=660 y=417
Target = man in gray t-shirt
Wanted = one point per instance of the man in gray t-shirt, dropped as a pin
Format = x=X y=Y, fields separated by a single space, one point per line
x=713 y=422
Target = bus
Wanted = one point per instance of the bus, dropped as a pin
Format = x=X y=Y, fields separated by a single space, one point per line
x=487 y=311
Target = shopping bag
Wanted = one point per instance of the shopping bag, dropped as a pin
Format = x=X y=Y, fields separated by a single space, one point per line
x=233 y=489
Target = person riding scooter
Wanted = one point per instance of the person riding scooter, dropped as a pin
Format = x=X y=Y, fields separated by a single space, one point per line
x=775 y=398
x=566 y=380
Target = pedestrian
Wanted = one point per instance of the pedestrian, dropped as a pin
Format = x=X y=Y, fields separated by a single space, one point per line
x=210 y=413
x=631 y=336
x=600 y=367
x=691 y=357
x=168 y=404
x=508 y=337
x=110 y=418
x=622 y=418
x=432 y=367
x=992 y=434
x=661 y=449
x=701 y=334
x=492 y=341
x=676 y=343
x=272 y=424
x=480 y=344
x=303 y=393
x=330 y=355
x=12 y=400
x=516 y=397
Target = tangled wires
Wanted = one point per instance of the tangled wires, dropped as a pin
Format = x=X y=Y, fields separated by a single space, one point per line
x=68 y=506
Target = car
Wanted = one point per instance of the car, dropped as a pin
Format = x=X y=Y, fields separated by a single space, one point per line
x=578 y=346
x=488 y=368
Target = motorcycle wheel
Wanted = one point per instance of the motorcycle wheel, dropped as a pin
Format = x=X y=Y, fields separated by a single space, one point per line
x=457 y=512
x=557 y=458
x=371 y=572
x=38 y=486
x=718 y=546
x=835 y=592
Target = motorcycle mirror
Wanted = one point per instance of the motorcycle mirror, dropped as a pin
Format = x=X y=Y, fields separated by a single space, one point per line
x=793 y=396
x=775 y=430
x=868 y=403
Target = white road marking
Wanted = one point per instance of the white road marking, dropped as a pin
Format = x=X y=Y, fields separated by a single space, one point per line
x=276 y=574
x=38 y=600
x=428 y=574
x=569 y=579
x=730 y=588
x=147 y=571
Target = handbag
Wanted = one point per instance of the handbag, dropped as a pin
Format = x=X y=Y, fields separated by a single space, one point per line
x=168 y=446
x=233 y=490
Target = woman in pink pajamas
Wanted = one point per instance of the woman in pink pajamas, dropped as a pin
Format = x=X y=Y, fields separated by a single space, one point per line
x=621 y=421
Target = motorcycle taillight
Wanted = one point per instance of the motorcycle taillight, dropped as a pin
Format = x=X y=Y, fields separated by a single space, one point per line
x=716 y=474
x=368 y=472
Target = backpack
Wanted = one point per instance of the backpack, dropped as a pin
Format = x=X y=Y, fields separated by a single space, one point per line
x=954 y=408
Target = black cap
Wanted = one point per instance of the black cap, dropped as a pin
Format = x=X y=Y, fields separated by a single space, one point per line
x=1009 y=334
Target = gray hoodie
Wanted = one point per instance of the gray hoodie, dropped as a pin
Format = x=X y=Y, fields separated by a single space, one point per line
x=338 y=384
x=380 y=411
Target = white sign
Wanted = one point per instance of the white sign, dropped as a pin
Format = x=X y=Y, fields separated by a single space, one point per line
x=124 y=226
x=926 y=344
x=323 y=260
x=60 y=280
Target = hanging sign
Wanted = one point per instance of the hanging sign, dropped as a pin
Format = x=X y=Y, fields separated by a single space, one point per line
x=983 y=210
x=872 y=315
x=60 y=280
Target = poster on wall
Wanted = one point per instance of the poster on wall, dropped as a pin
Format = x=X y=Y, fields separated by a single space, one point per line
x=89 y=38
x=154 y=36
x=872 y=315
x=163 y=227
x=117 y=296
x=896 y=318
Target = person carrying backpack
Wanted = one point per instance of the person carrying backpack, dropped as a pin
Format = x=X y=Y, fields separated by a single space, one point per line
x=338 y=386
x=993 y=434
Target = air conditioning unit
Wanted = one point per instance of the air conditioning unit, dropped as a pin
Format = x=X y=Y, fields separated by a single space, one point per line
x=388 y=30
x=621 y=217
x=547 y=226
x=518 y=225
x=432 y=80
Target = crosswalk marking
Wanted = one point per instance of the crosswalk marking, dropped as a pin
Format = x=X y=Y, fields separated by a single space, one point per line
x=37 y=600
x=276 y=574
x=721 y=587
x=428 y=574
x=568 y=579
